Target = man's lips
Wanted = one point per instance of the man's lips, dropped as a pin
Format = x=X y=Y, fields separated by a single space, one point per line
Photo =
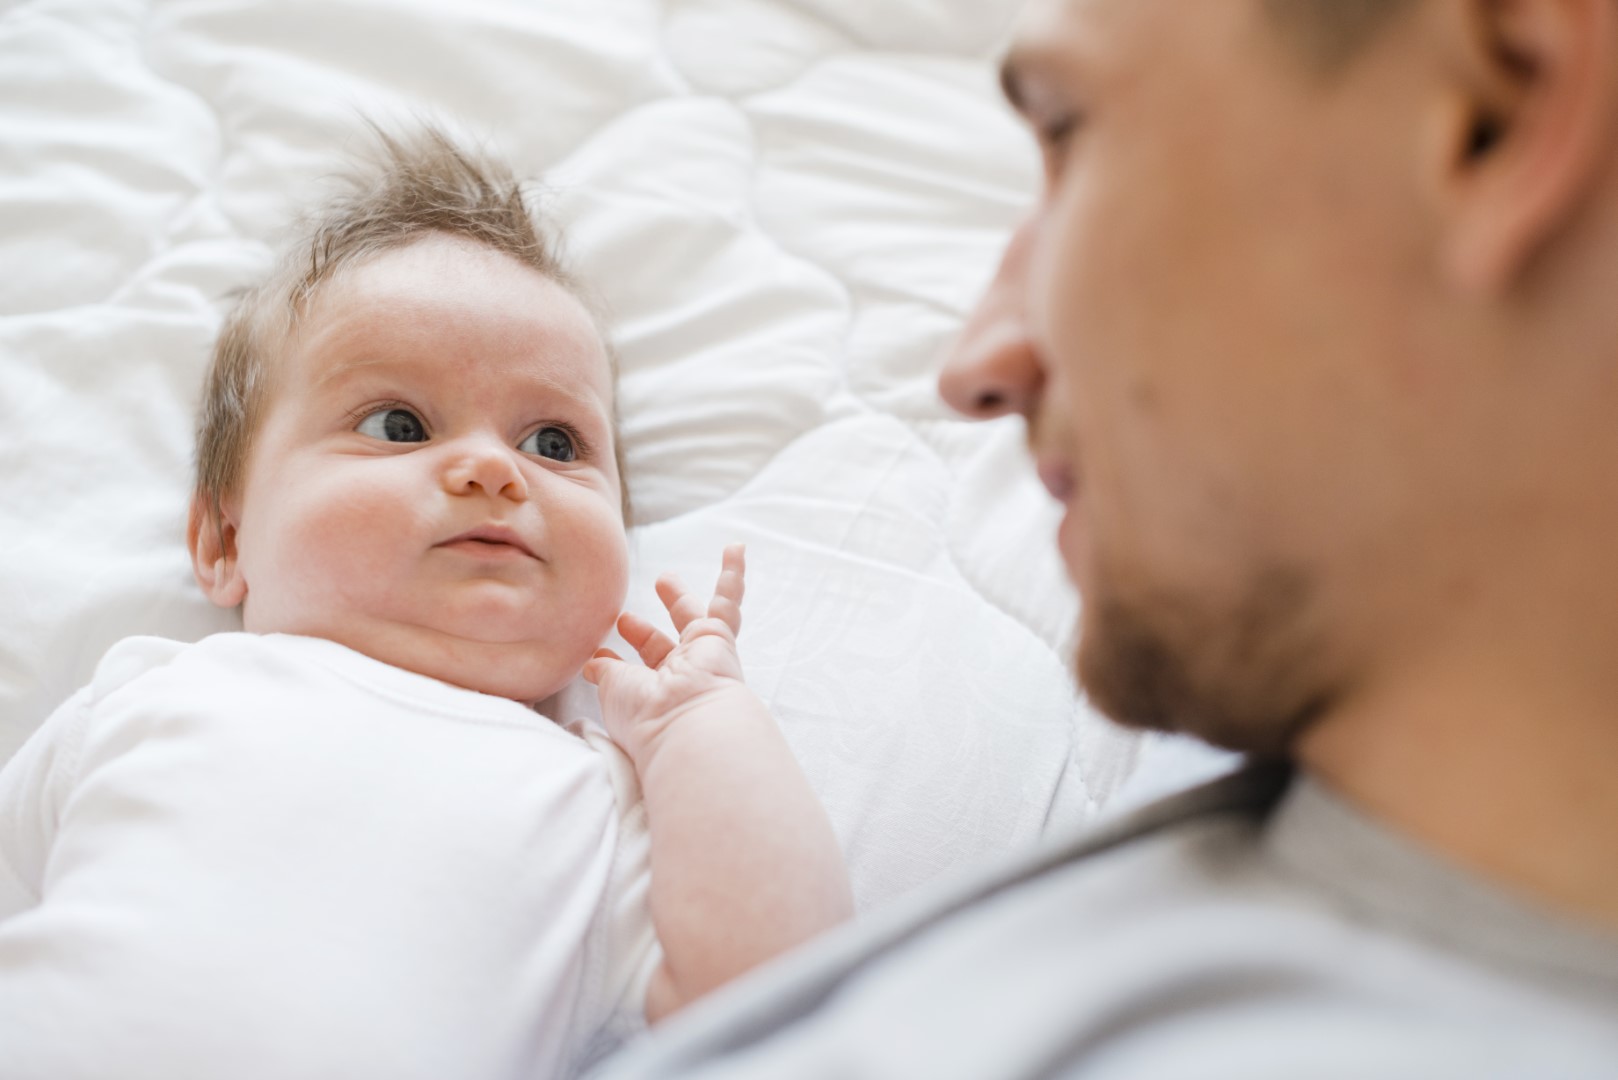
x=1057 y=478
x=490 y=541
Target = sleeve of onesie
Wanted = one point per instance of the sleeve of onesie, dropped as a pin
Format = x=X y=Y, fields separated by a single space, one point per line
x=630 y=952
x=34 y=786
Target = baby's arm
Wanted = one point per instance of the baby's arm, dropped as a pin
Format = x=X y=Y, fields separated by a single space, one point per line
x=744 y=863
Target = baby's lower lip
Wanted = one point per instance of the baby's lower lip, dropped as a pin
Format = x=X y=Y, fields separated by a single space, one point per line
x=486 y=549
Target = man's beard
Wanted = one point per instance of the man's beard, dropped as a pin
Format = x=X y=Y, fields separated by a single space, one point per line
x=1244 y=674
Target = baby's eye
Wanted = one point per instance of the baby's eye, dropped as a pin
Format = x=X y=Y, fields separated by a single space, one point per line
x=550 y=442
x=394 y=425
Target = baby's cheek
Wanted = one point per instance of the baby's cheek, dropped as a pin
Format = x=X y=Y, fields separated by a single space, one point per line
x=615 y=564
x=599 y=569
x=333 y=555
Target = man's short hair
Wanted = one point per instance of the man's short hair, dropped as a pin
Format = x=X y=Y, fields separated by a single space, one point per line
x=1332 y=32
x=410 y=186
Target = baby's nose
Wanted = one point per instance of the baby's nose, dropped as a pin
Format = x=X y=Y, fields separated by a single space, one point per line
x=486 y=464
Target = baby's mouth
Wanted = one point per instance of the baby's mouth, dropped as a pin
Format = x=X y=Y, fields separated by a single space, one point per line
x=490 y=541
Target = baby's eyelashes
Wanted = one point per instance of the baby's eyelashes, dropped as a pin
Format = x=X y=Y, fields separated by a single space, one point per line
x=551 y=441
x=393 y=424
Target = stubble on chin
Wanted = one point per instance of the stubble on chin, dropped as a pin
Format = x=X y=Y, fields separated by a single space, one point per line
x=1246 y=674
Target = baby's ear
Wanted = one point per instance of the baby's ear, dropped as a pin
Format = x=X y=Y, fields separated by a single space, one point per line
x=210 y=533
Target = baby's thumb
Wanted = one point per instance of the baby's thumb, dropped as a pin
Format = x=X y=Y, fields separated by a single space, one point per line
x=599 y=665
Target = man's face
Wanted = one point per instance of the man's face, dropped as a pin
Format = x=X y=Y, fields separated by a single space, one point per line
x=1186 y=321
x=433 y=481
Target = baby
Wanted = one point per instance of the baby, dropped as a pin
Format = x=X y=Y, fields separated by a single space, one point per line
x=343 y=843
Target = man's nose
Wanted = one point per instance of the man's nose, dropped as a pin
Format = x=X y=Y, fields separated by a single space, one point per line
x=481 y=461
x=994 y=368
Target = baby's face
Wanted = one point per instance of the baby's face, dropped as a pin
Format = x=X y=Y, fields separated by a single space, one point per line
x=433 y=481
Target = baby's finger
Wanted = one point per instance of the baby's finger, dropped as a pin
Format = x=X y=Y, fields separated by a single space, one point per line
x=596 y=668
x=652 y=645
x=683 y=607
x=727 y=594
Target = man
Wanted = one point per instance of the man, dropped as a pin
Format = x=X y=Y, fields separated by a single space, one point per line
x=1316 y=332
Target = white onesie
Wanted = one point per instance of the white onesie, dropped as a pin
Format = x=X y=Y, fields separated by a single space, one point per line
x=271 y=856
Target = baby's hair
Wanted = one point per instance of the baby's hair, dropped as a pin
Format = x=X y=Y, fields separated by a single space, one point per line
x=412 y=185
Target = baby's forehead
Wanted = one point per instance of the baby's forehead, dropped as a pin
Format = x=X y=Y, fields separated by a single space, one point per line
x=443 y=270
x=448 y=297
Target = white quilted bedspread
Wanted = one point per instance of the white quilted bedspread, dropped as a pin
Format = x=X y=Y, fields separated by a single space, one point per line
x=789 y=206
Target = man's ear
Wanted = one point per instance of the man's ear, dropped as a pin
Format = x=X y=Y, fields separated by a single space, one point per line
x=210 y=533
x=1528 y=132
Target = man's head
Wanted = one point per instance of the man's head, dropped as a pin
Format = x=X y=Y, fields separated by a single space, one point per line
x=407 y=442
x=1312 y=327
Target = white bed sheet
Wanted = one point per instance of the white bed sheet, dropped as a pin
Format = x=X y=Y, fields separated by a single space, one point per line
x=789 y=206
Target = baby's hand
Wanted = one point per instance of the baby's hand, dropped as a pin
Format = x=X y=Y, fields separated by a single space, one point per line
x=702 y=669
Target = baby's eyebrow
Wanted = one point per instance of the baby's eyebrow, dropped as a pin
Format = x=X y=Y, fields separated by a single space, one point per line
x=537 y=383
x=357 y=362
x=556 y=388
x=339 y=371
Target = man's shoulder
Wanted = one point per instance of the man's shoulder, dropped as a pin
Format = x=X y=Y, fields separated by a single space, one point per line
x=1003 y=946
x=1174 y=932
